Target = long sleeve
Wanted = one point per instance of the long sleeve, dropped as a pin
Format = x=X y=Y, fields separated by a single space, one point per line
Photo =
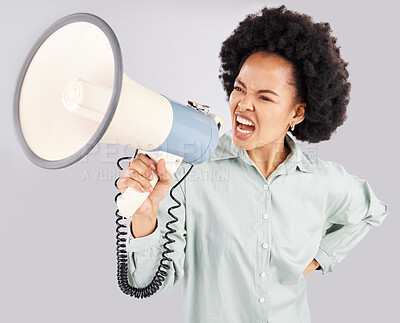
x=352 y=211
x=147 y=251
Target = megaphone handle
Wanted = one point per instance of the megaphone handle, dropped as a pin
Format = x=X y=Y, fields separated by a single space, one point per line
x=131 y=199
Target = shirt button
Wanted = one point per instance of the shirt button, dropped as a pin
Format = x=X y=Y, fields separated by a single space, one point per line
x=265 y=186
x=262 y=274
x=265 y=245
x=262 y=300
x=265 y=215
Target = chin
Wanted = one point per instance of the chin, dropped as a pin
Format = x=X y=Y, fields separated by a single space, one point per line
x=244 y=144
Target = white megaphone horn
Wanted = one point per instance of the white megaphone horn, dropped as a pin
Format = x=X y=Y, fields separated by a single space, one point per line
x=72 y=94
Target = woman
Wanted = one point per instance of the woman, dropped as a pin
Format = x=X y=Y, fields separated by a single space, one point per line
x=252 y=218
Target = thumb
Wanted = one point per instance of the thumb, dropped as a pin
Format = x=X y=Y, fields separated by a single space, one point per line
x=163 y=176
x=163 y=184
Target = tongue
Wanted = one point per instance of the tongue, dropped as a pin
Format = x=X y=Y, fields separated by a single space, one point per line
x=246 y=127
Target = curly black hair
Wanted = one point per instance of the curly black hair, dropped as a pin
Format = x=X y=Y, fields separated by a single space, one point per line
x=320 y=74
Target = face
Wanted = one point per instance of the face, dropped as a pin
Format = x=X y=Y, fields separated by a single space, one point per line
x=262 y=103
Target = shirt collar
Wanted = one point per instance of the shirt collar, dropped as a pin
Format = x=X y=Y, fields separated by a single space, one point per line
x=226 y=149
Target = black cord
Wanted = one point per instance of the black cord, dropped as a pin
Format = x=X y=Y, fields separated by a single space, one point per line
x=122 y=255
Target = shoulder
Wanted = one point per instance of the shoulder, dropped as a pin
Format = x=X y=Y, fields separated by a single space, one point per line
x=347 y=193
x=338 y=175
x=327 y=168
x=332 y=175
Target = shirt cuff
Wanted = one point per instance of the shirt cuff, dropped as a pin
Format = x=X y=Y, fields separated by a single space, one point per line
x=145 y=255
x=143 y=243
x=325 y=261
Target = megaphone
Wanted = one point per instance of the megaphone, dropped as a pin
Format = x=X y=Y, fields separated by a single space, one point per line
x=72 y=94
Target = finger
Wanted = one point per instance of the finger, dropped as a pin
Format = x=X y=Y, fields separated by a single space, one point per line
x=134 y=184
x=121 y=184
x=135 y=176
x=140 y=168
x=146 y=160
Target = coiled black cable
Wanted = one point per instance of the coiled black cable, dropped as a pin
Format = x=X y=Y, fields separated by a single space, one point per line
x=122 y=255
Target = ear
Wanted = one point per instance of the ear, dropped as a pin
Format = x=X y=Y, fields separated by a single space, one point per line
x=300 y=110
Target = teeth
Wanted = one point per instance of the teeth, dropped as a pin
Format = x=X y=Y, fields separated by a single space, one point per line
x=243 y=131
x=244 y=121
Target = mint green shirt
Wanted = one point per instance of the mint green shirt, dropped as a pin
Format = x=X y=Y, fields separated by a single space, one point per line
x=242 y=241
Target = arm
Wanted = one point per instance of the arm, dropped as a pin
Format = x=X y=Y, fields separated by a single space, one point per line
x=313 y=265
x=145 y=252
x=352 y=211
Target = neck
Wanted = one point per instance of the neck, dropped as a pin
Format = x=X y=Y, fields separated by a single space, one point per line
x=268 y=157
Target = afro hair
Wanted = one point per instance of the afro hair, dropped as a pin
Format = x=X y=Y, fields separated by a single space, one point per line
x=320 y=74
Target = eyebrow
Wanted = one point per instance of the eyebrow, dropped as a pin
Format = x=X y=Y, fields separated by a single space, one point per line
x=260 y=91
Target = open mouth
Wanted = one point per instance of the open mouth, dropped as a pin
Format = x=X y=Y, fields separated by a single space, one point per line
x=244 y=125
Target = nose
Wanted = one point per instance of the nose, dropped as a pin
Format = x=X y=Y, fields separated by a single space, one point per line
x=245 y=104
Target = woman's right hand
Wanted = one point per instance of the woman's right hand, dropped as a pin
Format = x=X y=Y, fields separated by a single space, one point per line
x=138 y=176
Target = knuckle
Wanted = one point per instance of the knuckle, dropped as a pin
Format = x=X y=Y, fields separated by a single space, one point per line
x=137 y=178
x=134 y=175
x=132 y=183
x=145 y=159
x=143 y=170
x=142 y=157
x=146 y=184
x=132 y=164
x=120 y=182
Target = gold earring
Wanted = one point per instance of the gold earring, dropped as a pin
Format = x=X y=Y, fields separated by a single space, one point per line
x=292 y=127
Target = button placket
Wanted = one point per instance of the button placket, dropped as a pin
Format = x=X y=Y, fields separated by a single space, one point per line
x=264 y=237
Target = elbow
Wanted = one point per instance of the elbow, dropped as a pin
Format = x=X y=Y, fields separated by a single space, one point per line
x=377 y=215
